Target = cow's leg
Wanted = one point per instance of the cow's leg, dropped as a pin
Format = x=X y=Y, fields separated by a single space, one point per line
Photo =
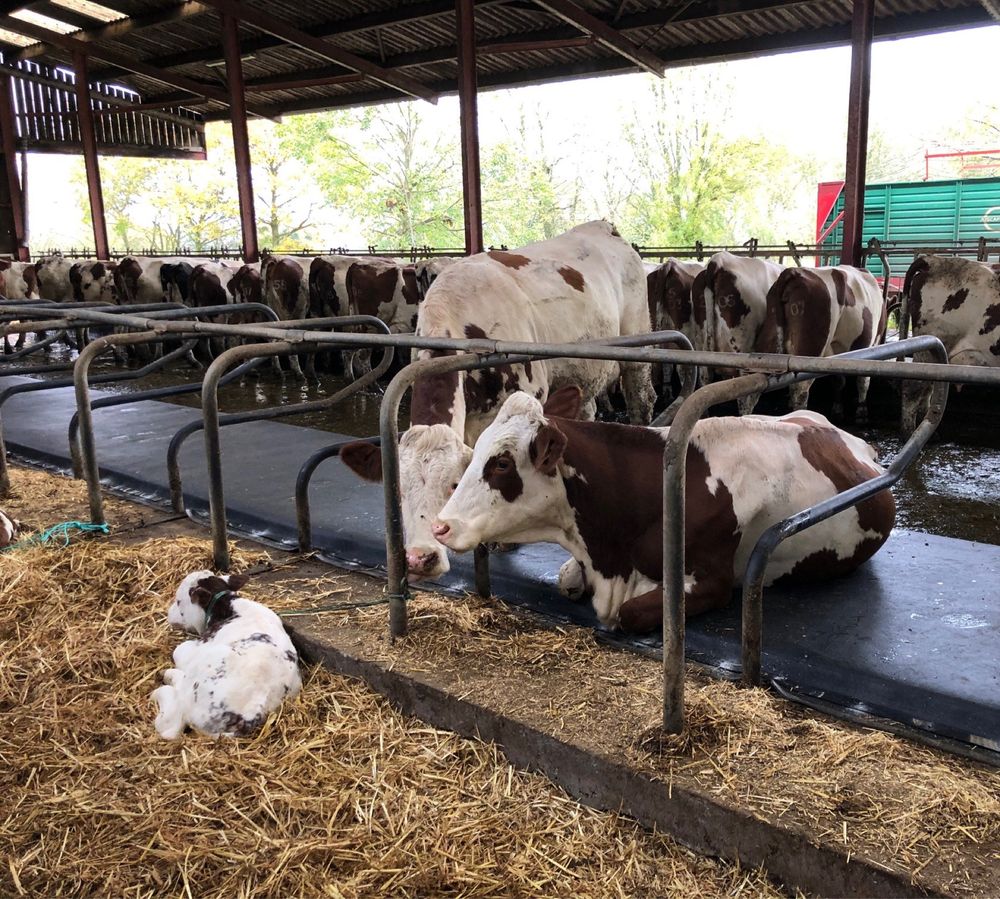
x=588 y=410
x=573 y=581
x=861 y=412
x=637 y=384
x=798 y=396
x=293 y=361
x=644 y=613
x=747 y=404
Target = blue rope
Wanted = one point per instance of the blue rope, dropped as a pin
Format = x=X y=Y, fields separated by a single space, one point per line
x=59 y=531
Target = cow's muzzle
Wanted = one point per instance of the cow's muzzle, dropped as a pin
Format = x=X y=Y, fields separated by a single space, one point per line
x=422 y=563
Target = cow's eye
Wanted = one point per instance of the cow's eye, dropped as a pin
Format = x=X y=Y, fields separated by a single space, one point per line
x=503 y=464
x=453 y=487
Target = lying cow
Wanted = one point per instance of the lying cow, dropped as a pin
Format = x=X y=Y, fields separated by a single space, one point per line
x=237 y=672
x=957 y=301
x=596 y=490
x=821 y=312
x=671 y=307
x=587 y=283
x=733 y=292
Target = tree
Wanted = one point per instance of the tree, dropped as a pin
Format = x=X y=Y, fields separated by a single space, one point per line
x=401 y=182
x=524 y=196
x=691 y=182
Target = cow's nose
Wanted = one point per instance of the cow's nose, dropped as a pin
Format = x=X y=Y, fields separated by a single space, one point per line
x=420 y=562
x=440 y=530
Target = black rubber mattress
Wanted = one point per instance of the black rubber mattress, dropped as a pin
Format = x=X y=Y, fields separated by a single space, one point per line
x=912 y=637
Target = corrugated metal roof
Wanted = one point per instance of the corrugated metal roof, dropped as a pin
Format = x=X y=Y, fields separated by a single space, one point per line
x=519 y=41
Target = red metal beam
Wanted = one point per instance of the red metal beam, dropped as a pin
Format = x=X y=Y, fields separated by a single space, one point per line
x=862 y=33
x=241 y=139
x=469 y=116
x=89 y=139
x=15 y=189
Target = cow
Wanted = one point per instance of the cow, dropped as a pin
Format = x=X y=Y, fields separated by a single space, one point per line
x=386 y=291
x=286 y=291
x=671 y=308
x=245 y=285
x=587 y=283
x=733 y=292
x=596 y=489
x=17 y=282
x=236 y=672
x=140 y=280
x=957 y=301
x=175 y=280
x=92 y=281
x=426 y=271
x=52 y=273
x=821 y=312
x=208 y=285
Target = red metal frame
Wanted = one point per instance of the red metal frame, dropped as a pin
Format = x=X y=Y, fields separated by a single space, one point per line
x=862 y=33
x=959 y=154
x=15 y=188
x=469 y=114
x=241 y=138
x=88 y=137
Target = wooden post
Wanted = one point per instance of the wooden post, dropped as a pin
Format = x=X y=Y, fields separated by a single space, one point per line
x=88 y=138
x=15 y=224
x=241 y=139
x=469 y=113
x=862 y=31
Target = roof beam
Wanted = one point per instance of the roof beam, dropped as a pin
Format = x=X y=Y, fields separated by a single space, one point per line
x=61 y=14
x=389 y=18
x=119 y=28
x=605 y=34
x=321 y=47
x=71 y=45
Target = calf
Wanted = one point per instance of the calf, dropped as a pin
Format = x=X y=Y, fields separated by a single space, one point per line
x=596 y=489
x=733 y=292
x=9 y=528
x=286 y=291
x=236 y=673
x=957 y=301
x=668 y=288
x=587 y=283
x=821 y=312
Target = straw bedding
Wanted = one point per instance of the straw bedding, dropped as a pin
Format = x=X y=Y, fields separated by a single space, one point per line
x=910 y=808
x=338 y=796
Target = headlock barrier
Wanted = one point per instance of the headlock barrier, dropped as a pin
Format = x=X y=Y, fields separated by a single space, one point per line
x=761 y=373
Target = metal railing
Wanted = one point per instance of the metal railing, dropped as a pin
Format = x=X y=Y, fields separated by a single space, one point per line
x=767 y=372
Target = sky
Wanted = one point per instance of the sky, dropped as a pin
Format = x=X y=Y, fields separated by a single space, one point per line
x=922 y=88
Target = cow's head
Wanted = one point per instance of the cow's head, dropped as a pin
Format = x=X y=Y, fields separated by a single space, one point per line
x=195 y=595
x=431 y=461
x=512 y=490
x=96 y=283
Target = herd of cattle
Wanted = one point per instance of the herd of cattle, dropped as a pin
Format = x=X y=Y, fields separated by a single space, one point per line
x=512 y=454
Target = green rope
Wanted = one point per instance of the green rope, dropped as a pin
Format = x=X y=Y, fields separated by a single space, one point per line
x=58 y=531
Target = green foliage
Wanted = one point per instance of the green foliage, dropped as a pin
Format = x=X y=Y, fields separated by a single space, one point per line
x=401 y=182
x=687 y=181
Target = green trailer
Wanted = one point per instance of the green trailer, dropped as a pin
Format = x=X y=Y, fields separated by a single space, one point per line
x=958 y=216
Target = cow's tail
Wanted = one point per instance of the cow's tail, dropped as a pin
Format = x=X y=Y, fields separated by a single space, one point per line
x=772 y=334
x=920 y=266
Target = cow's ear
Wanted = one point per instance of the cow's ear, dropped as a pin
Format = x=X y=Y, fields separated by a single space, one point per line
x=564 y=403
x=546 y=449
x=364 y=459
x=237 y=581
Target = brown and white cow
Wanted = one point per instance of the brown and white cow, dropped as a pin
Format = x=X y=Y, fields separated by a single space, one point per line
x=52 y=273
x=587 y=283
x=671 y=307
x=821 y=312
x=596 y=490
x=957 y=301
x=286 y=291
x=733 y=292
x=426 y=271
x=92 y=281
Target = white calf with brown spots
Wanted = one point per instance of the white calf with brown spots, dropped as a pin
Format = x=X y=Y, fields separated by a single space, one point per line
x=238 y=670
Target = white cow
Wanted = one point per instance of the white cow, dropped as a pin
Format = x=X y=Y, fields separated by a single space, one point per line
x=587 y=283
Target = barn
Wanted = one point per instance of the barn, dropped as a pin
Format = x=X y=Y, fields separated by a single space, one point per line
x=537 y=653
